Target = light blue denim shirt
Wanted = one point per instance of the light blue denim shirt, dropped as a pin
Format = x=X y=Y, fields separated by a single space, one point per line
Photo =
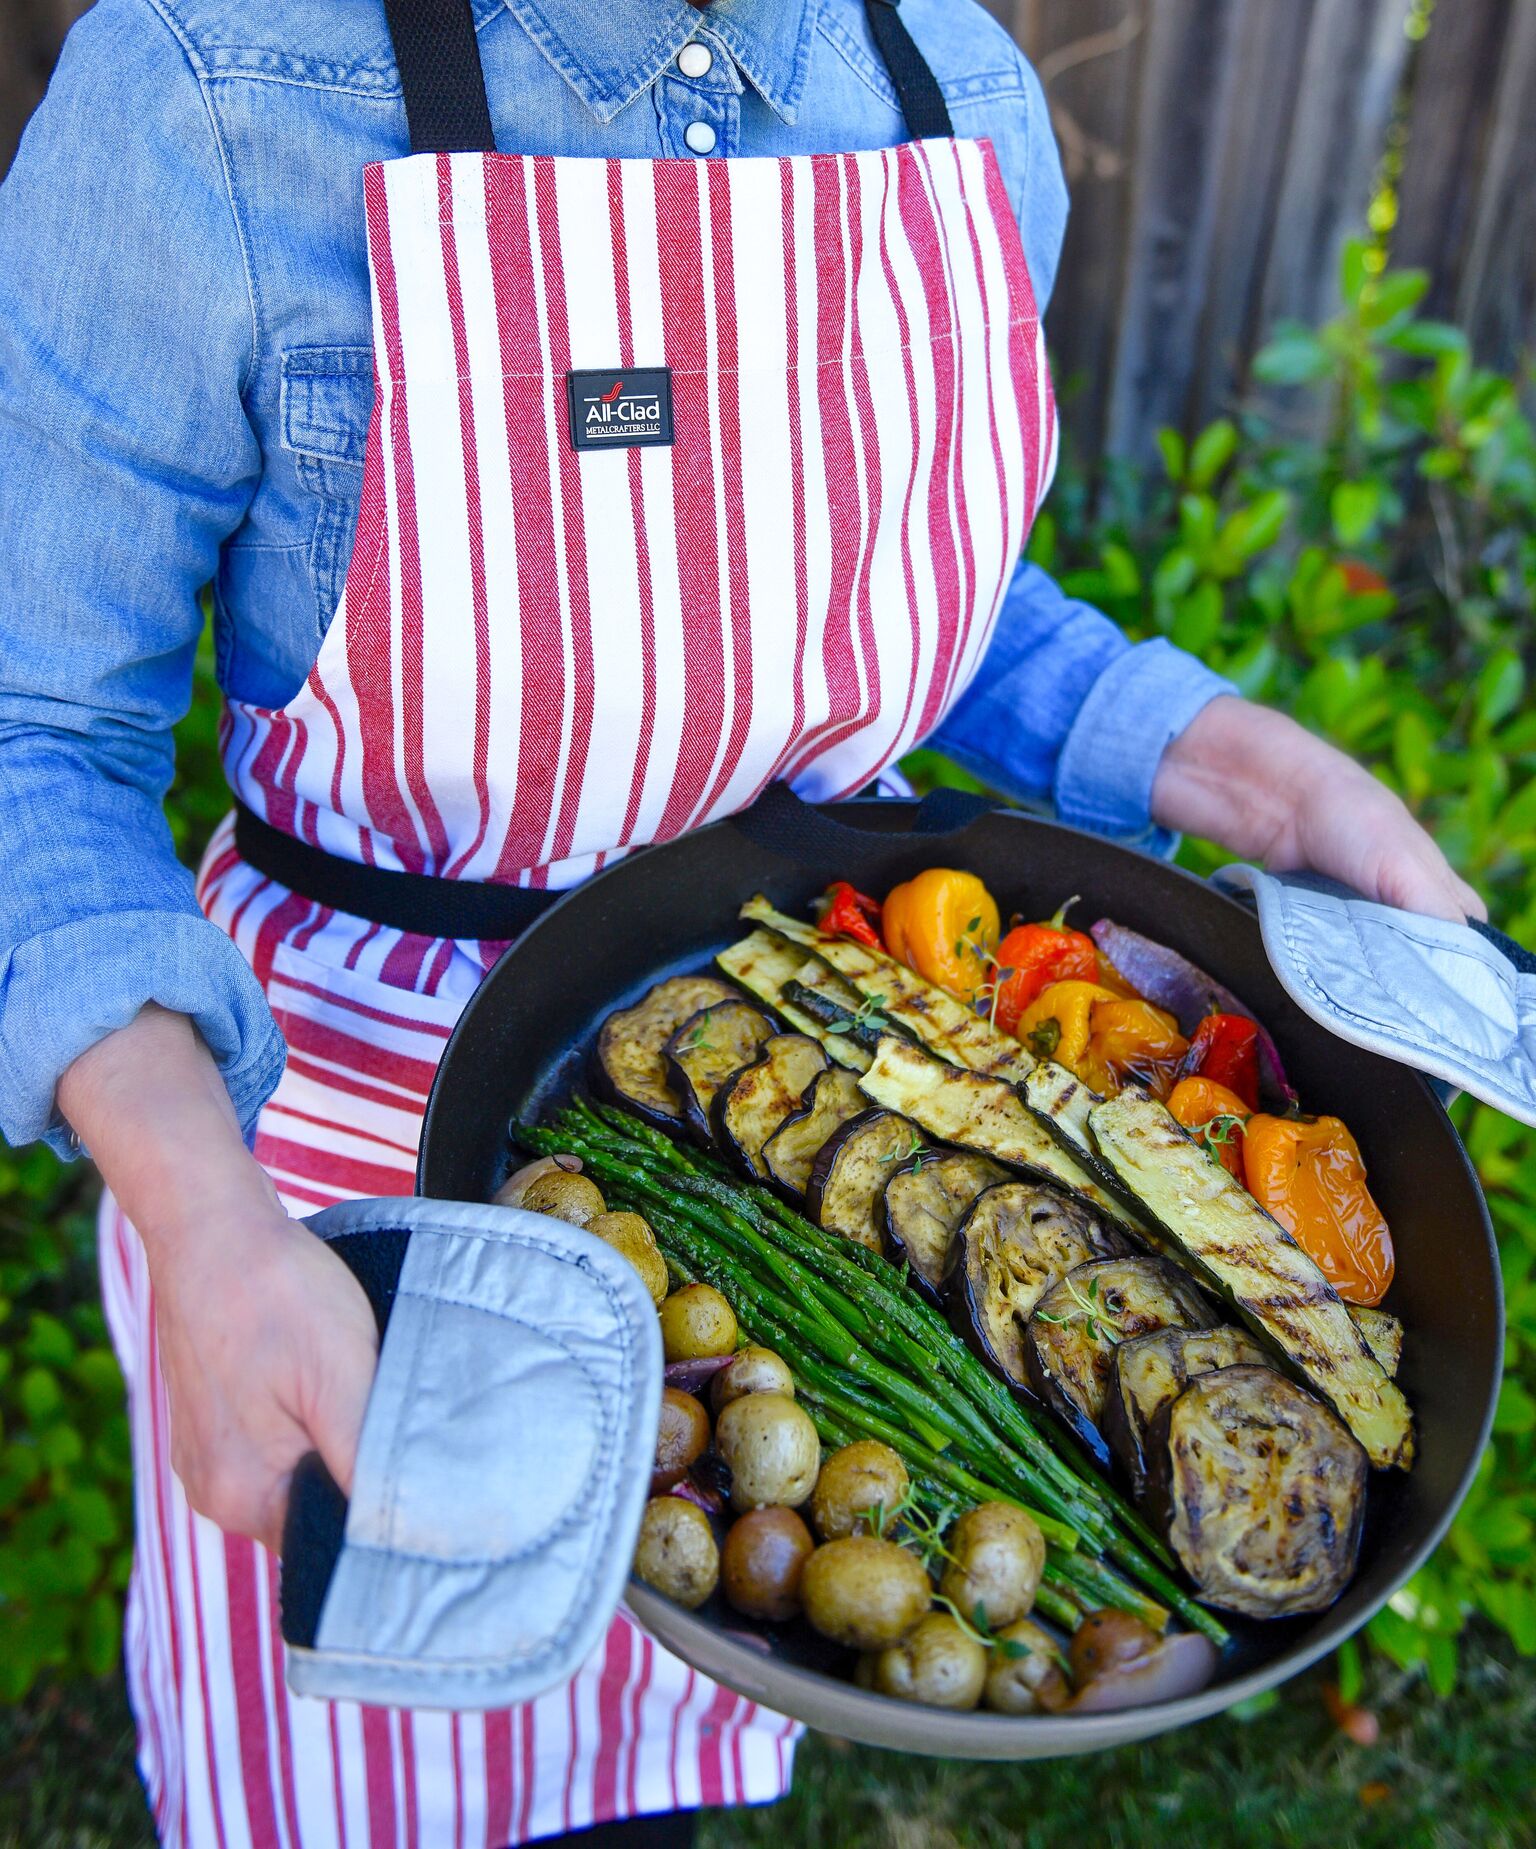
x=185 y=387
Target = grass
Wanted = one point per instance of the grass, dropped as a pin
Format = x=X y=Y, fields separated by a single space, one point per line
x=1458 y=1773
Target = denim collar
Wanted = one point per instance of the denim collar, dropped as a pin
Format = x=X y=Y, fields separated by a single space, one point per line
x=608 y=51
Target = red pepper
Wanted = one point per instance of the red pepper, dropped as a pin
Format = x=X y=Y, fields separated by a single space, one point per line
x=1033 y=956
x=846 y=913
x=1225 y=1049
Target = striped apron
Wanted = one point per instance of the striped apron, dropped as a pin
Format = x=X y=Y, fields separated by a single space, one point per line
x=544 y=657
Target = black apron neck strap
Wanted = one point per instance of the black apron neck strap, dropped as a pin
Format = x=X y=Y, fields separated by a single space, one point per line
x=440 y=74
x=444 y=86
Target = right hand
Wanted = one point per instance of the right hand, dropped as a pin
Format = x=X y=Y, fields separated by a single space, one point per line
x=268 y=1347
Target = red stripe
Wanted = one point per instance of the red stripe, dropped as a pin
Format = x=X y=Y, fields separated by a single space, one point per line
x=727 y=375
x=408 y=1760
x=693 y=488
x=938 y=343
x=526 y=1770
x=711 y=1746
x=481 y=748
x=256 y=1770
x=498 y=1777
x=371 y=622
x=407 y=1023
x=456 y=1754
x=576 y=587
x=677 y=1725
x=280 y=1703
x=539 y=596
x=336 y=1787
x=643 y=587
x=571 y=1756
x=210 y=1758
x=638 y=1694
x=368 y=1178
x=611 y=1689
x=305 y=1034
x=845 y=514
x=347 y=1085
x=284 y=917
x=163 y=1503
x=1023 y=322
x=379 y=1773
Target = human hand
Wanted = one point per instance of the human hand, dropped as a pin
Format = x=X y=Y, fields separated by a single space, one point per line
x=1267 y=789
x=268 y=1347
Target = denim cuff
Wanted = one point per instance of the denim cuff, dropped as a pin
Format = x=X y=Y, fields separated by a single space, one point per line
x=65 y=989
x=1135 y=709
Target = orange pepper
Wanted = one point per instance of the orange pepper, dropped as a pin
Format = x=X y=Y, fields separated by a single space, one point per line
x=1216 y=1116
x=943 y=924
x=1132 y=1039
x=1309 y=1174
x=1058 y=1022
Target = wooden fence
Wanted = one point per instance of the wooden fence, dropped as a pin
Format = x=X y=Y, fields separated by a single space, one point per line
x=1219 y=153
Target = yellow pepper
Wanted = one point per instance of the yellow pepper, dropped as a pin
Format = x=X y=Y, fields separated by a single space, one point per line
x=1100 y=1036
x=944 y=925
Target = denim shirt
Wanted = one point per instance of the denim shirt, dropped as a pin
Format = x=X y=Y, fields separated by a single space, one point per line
x=185 y=388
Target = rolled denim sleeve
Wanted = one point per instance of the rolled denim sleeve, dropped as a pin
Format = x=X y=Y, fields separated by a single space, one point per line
x=1064 y=709
x=126 y=331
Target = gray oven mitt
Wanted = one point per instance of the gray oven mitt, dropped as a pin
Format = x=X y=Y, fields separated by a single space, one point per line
x=1458 y=1002
x=504 y=1463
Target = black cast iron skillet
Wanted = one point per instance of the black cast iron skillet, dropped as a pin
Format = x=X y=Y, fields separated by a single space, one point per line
x=522 y=1044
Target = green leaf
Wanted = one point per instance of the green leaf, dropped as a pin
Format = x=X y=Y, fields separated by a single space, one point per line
x=1516 y=1411
x=1499 y=688
x=1392 y=296
x=1354 y=270
x=1428 y=339
x=1355 y=508
x=1171 y=447
x=1214 y=448
x=39 y=1393
x=1293 y=358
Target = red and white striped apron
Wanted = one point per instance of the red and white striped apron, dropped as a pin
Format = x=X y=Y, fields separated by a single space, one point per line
x=542 y=659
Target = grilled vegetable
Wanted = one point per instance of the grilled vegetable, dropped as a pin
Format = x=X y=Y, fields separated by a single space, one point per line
x=1025 y=1677
x=676 y=1551
x=1383 y=1335
x=979 y=1113
x=697 y=1321
x=1127 y=1665
x=1014 y=1245
x=576 y=1199
x=630 y=1066
x=1151 y=1371
x=707 y=1049
x=1214 y=1117
x=772 y=1449
x=946 y=1027
x=1033 y=956
x=1260 y=1490
x=761 y=1563
x=763 y=964
x=925 y=1201
x=1225 y=1049
x=847 y=912
x=752 y=1369
x=681 y=1439
x=939 y=1664
x=1077 y=1325
x=995 y=1554
x=750 y=1106
x=1278 y=1291
x=1308 y=1172
x=864 y=1592
x=848 y=1178
x=943 y=924
x=859 y=1484
x=832 y=1099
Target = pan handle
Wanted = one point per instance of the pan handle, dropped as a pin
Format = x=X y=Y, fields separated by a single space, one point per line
x=786 y=824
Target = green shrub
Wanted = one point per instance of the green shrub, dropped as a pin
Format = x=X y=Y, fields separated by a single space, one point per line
x=1361 y=550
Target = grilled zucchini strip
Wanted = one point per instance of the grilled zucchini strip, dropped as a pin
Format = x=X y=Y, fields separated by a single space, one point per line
x=1062 y=1102
x=1256 y=1265
x=762 y=964
x=985 y=1114
x=1383 y=1335
x=946 y=1027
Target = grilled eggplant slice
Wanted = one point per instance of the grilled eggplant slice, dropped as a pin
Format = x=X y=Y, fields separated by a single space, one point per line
x=1255 y=1264
x=1383 y=1336
x=764 y=964
x=983 y=1114
x=848 y=1178
x=750 y=1106
x=945 y=1026
x=833 y=1099
x=925 y=1201
x=1015 y=1243
x=1078 y=1323
x=1151 y=1371
x=707 y=1049
x=630 y=1067
x=1260 y=1491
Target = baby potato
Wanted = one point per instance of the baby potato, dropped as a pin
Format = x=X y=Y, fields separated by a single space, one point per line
x=755 y=1370
x=516 y=1185
x=1024 y=1675
x=937 y=1663
x=997 y=1554
x=864 y=1593
x=853 y=1480
x=629 y=1234
x=564 y=1197
x=772 y=1449
x=761 y=1563
x=1107 y=1641
x=681 y=1439
x=676 y=1552
x=697 y=1321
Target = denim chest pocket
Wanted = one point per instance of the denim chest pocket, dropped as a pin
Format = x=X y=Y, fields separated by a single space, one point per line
x=326 y=405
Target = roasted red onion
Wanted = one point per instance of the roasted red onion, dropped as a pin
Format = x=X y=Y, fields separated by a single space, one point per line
x=1177 y=1666
x=692 y=1376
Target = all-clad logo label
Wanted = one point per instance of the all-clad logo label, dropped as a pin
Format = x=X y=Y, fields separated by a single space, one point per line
x=620 y=410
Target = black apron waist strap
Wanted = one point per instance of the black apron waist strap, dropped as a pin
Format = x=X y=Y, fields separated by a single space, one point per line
x=416 y=902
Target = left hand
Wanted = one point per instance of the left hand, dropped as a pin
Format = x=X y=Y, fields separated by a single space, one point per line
x=1267 y=789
